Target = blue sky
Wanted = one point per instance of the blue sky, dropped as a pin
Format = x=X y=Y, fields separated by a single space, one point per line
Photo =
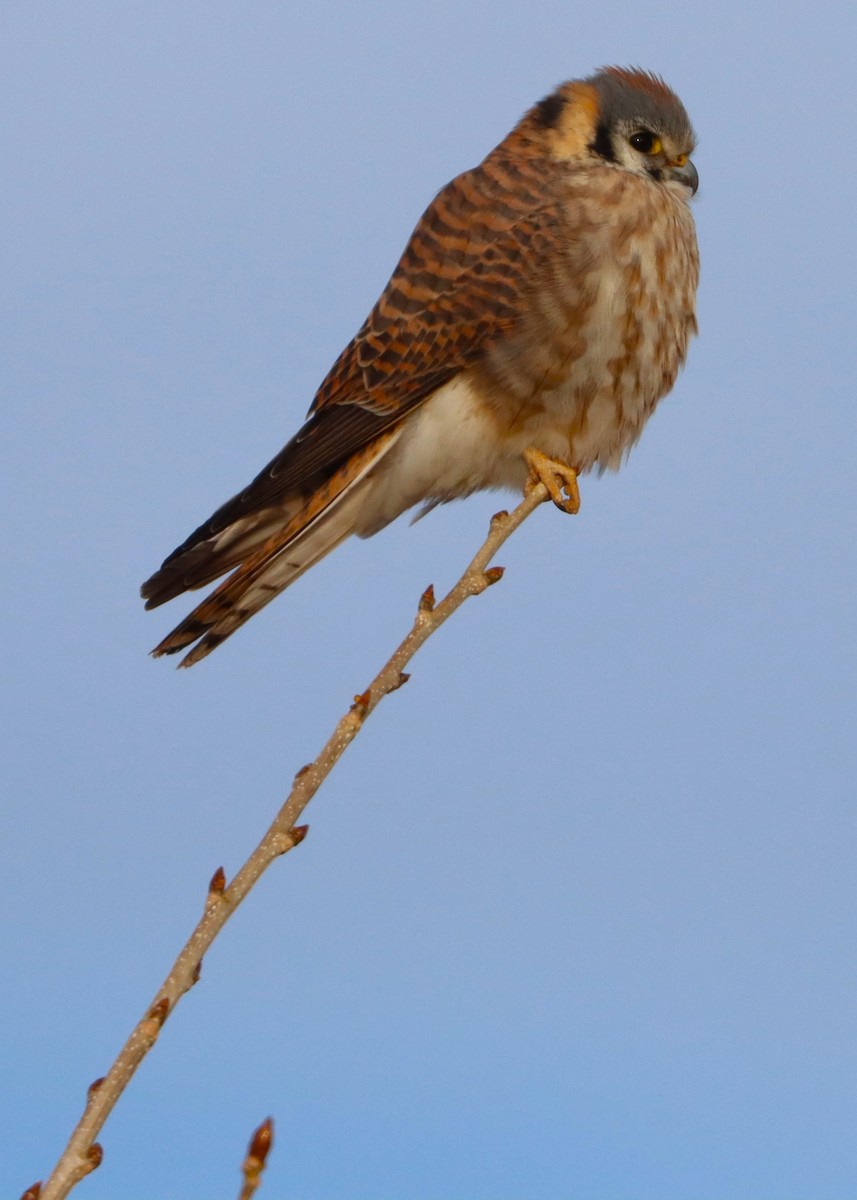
x=576 y=915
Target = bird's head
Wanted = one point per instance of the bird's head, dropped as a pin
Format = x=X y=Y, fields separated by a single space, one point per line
x=622 y=116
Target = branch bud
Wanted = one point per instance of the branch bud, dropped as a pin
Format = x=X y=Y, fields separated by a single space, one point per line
x=493 y=575
x=262 y=1140
x=298 y=833
x=33 y=1192
x=257 y=1153
x=426 y=604
x=218 y=883
x=159 y=1012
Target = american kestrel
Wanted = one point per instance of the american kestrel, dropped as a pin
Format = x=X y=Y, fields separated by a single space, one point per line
x=542 y=307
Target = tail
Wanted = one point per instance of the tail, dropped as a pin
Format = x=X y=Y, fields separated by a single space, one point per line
x=324 y=519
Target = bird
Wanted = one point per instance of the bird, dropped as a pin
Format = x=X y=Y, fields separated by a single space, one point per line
x=540 y=310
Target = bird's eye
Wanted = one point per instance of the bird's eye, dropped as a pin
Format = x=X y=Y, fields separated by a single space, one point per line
x=646 y=142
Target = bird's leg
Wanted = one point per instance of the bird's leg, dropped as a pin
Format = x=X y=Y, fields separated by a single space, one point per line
x=557 y=477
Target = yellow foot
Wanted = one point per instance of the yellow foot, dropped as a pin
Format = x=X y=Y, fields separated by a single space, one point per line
x=557 y=478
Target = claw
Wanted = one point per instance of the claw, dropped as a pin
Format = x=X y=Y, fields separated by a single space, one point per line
x=557 y=477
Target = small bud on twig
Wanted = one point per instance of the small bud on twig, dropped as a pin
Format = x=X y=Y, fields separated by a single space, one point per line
x=33 y=1192
x=426 y=604
x=361 y=702
x=159 y=1012
x=281 y=841
x=298 y=833
x=95 y=1155
x=218 y=883
x=493 y=575
x=257 y=1154
x=93 y=1087
x=262 y=1140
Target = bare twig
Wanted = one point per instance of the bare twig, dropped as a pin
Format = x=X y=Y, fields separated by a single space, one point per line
x=257 y=1156
x=83 y=1154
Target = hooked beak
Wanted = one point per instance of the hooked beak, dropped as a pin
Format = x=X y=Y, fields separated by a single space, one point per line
x=683 y=171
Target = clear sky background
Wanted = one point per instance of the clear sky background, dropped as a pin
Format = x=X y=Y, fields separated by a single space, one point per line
x=576 y=915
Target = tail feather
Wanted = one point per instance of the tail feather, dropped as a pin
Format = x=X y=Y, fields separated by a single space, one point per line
x=324 y=520
x=254 y=585
x=207 y=560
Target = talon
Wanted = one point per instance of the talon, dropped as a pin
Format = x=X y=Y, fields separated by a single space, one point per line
x=557 y=477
